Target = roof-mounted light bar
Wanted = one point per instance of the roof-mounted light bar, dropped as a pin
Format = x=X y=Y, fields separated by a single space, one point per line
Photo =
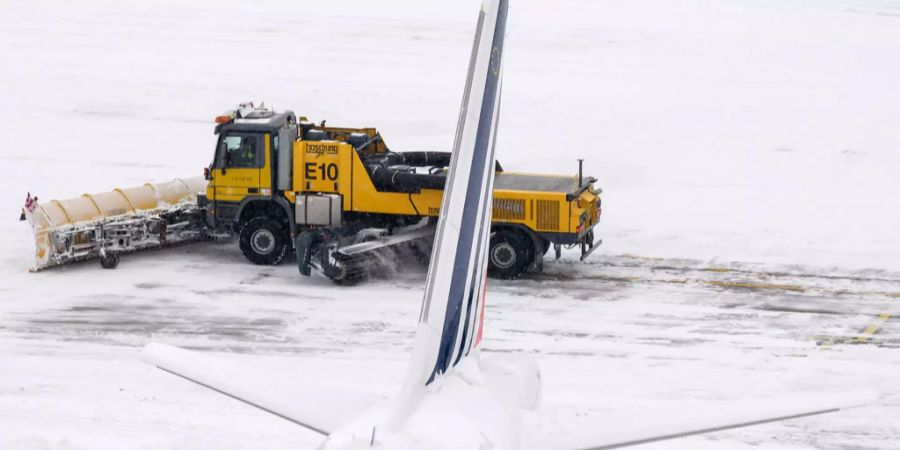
x=226 y=117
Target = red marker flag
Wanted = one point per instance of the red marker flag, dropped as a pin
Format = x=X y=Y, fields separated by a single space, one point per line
x=30 y=203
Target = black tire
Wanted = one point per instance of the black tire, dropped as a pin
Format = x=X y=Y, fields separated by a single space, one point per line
x=509 y=255
x=264 y=241
x=331 y=268
x=109 y=260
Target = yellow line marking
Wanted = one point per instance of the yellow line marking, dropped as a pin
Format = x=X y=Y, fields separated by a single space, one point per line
x=782 y=287
x=733 y=284
x=849 y=292
x=651 y=258
x=613 y=278
x=873 y=328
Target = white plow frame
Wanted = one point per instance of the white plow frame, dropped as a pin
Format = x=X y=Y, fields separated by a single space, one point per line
x=118 y=221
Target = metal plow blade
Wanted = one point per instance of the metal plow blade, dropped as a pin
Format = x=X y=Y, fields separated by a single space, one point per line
x=122 y=220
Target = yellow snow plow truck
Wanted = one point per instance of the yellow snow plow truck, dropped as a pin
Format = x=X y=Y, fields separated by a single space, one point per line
x=339 y=197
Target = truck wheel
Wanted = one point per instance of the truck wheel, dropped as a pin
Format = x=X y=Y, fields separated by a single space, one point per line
x=509 y=254
x=109 y=260
x=264 y=241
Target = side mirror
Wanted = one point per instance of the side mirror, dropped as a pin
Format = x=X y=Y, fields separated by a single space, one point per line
x=206 y=173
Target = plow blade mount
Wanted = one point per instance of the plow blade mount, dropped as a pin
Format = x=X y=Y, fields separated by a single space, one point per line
x=122 y=220
x=347 y=259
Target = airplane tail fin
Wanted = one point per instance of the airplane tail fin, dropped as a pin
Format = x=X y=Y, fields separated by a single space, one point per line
x=453 y=305
x=452 y=315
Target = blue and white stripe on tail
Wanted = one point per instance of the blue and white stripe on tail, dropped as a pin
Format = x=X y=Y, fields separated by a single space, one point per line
x=454 y=294
x=450 y=322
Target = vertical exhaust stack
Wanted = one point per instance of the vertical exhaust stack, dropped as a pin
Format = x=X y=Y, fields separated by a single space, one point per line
x=122 y=220
x=580 y=173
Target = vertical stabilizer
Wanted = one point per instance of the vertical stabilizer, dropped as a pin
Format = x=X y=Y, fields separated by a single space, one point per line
x=454 y=293
x=450 y=323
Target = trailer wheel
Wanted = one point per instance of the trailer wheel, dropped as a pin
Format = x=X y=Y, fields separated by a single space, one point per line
x=509 y=254
x=264 y=241
x=109 y=260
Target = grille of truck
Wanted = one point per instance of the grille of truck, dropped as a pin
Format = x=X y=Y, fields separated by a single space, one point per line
x=548 y=215
x=509 y=209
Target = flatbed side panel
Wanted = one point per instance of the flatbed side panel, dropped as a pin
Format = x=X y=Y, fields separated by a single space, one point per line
x=543 y=211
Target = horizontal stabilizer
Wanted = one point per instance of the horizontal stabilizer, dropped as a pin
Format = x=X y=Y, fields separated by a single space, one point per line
x=319 y=408
x=738 y=414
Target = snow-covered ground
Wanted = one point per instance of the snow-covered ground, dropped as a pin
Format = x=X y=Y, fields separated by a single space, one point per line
x=757 y=137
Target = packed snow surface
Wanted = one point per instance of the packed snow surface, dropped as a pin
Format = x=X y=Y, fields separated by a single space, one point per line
x=748 y=151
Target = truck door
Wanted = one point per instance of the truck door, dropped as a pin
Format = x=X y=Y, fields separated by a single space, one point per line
x=239 y=161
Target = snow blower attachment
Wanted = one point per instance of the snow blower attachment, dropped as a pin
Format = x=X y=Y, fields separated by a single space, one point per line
x=122 y=220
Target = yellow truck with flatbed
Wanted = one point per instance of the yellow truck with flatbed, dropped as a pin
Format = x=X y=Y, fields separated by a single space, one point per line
x=348 y=204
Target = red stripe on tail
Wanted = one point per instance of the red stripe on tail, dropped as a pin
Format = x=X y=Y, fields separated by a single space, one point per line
x=481 y=318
